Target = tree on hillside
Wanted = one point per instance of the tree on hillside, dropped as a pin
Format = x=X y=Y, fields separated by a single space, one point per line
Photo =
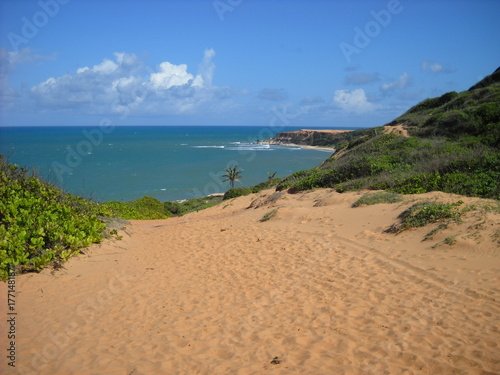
x=232 y=174
x=271 y=176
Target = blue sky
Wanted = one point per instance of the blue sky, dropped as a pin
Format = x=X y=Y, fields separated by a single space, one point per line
x=309 y=63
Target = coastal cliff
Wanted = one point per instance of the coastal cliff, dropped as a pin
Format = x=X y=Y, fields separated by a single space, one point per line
x=314 y=138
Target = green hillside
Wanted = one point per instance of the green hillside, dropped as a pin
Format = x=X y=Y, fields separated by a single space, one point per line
x=473 y=114
x=453 y=146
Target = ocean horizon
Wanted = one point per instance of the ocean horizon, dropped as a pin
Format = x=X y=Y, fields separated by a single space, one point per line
x=171 y=163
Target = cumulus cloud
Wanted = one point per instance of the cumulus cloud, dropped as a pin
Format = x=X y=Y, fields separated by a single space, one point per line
x=124 y=83
x=402 y=82
x=96 y=87
x=434 y=67
x=170 y=75
x=353 y=101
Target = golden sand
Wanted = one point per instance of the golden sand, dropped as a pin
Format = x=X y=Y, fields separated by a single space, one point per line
x=317 y=289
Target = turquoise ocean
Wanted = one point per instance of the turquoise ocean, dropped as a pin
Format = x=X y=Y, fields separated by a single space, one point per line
x=168 y=163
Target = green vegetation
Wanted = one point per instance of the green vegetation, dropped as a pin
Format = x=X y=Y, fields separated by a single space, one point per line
x=454 y=148
x=377 y=198
x=450 y=240
x=239 y=192
x=242 y=191
x=145 y=208
x=269 y=215
x=271 y=176
x=148 y=208
x=39 y=223
x=232 y=174
x=407 y=166
x=191 y=205
x=423 y=213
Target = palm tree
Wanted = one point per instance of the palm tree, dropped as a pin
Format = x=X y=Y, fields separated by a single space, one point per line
x=271 y=176
x=232 y=174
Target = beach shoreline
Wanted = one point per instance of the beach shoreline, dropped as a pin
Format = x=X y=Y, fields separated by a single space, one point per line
x=305 y=147
x=303 y=135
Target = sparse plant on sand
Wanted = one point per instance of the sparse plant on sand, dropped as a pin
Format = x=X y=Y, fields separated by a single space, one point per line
x=423 y=213
x=269 y=215
x=377 y=198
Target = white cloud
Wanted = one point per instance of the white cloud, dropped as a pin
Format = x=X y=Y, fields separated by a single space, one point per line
x=170 y=75
x=353 y=101
x=435 y=67
x=206 y=70
x=124 y=84
x=9 y=60
x=402 y=82
x=106 y=67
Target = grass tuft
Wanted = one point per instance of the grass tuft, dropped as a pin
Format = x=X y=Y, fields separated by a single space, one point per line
x=269 y=215
x=378 y=198
x=423 y=213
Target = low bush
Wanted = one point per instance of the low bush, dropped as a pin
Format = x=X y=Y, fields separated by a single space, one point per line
x=146 y=208
x=39 y=223
x=377 y=198
x=239 y=192
x=423 y=213
x=269 y=215
x=191 y=205
x=408 y=166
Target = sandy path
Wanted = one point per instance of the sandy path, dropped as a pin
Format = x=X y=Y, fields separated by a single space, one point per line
x=319 y=286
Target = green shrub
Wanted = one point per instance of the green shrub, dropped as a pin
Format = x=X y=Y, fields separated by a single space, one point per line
x=40 y=224
x=191 y=205
x=269 y=215
x=377 y=198
x=239 y=192
x=421 y=214
x=286 y=182
x=145 y=208
x=174 y=208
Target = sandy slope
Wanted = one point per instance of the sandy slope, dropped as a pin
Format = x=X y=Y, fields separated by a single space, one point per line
x=318 y=289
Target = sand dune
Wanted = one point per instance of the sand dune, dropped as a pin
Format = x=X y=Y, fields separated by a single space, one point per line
x=317 y=289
